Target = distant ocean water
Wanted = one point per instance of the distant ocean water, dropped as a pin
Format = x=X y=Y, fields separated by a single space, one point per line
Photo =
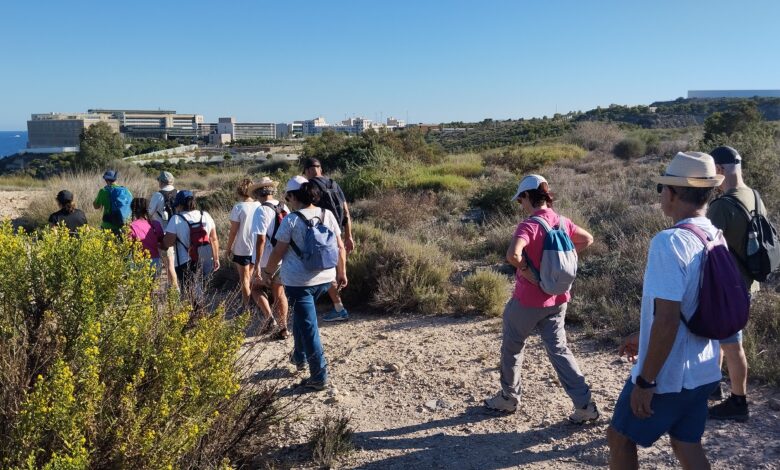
x=11 y=142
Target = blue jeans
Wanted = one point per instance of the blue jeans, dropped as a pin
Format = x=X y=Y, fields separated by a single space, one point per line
x=306 y=334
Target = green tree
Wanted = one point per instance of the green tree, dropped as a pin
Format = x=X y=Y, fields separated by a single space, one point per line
x=738 y=119
x=100 y=145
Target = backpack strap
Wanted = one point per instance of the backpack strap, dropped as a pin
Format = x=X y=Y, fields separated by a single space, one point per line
x=292 y=242
x=738 y=204
x=542 y=222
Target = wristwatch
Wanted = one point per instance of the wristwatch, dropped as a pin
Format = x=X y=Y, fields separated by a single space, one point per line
x=642 y=383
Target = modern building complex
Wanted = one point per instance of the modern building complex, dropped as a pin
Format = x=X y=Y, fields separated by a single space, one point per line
x=733 y=93
x=55 y=130
x=352 y=126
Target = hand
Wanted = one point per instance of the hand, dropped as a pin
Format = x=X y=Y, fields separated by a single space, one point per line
x=216 y=264
x=341 y=280
x=528 y=275
x=258 y=273
x=349 y=244
x=630 y=347
x=640 y=402
x=267 y=280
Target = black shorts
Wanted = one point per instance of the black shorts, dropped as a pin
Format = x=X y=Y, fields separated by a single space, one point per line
x=242 y=260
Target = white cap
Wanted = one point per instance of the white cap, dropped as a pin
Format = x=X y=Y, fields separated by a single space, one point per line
x=527 y=184
x=295 y=183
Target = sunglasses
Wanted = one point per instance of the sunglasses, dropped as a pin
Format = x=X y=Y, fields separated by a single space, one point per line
x=660 y=187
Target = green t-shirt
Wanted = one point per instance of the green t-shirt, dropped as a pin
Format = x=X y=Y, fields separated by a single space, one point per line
x=103 y=200
x=734 y=222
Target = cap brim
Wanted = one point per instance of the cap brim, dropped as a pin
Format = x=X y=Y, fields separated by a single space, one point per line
x=690 y=182
x=517 y=195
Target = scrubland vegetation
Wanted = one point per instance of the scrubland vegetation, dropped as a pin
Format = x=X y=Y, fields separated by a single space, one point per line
x=98 y=368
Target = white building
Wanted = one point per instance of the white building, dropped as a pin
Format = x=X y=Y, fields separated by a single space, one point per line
x=733 y=93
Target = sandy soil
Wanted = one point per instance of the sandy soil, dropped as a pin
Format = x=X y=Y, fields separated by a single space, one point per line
x=414 y=386
x=12 y=203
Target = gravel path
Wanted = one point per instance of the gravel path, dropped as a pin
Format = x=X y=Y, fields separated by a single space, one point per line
x=414 y=386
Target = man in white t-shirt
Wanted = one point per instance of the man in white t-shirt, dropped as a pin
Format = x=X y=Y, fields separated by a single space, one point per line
x=161 y=210
x=177 y=235
x=264 y=227
x=675 y=370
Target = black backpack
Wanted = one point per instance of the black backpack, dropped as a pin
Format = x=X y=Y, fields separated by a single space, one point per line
x=168 y=198
x=331 y=197
x=281 y=213
x=762 y=247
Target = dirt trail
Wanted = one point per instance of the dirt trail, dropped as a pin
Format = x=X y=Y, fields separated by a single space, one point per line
x=414 y=387
x=12 y=203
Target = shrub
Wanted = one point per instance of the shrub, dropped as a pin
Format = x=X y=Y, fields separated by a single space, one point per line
x=531 y=158
x=95 y=374
x=467 y=165
x=395 y=210
x=629 y=148
x=331 y=439
x=486 y=291
x=763 y=329
x=423 y=179
x=494 y=195
x=397 y=274
x=593 y=135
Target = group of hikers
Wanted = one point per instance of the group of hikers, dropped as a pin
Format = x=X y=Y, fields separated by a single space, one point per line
x=695 y=297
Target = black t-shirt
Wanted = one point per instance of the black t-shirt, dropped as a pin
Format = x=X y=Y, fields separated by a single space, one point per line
x=73 y=221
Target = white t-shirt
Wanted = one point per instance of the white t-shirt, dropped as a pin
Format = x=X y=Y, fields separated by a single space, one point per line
x=263 y=224
x=243 y=212
x=672 y=273
x=156 y=208
x=293 y=273
x=182 y=230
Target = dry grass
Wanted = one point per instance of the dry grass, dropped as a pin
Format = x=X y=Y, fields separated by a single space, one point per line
x=331 y=439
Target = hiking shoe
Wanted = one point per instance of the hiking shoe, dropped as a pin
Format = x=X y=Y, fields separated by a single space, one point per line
x=717 y=394
x=299 y=366
x=316 y=385
x=581 y=415
x=282 y=334
x=501 y=403
x=333 y=315
x=731 y=409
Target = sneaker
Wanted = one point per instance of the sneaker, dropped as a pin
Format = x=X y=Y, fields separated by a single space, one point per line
x=581 y=415
x=315 y=385
x=333 y=315
x=299 y=366
x=501 y=403
x=717 y=394
x=730 y=409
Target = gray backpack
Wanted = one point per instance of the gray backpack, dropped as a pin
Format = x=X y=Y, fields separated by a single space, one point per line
x=558 y=268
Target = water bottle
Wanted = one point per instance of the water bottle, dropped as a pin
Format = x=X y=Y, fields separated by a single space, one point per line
x=752 y=244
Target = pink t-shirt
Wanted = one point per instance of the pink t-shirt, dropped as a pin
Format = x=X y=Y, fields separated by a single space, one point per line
x=530 y=295
x=149 y=233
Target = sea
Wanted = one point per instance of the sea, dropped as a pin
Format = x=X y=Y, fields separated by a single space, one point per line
x=11 y=142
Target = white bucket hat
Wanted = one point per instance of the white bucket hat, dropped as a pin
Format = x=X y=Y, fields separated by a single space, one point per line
x=528 y=183
x=691 y=169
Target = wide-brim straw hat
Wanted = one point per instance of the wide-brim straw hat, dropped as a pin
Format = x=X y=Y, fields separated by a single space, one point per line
x=691 y=169
x=265 y=182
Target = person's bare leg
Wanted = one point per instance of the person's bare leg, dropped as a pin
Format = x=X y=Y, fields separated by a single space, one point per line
x=691 y=456
x=334 y=294
x=736 y=364
x=244 y=282
x=169 y=261
x=262 y=301
x=280 y=304
x=622 y=451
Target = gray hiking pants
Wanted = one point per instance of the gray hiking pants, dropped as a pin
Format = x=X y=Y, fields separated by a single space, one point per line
x=519 y=323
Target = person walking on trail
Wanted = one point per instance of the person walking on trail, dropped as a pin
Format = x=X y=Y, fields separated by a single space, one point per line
x=265 y=225
x=161 y=209
x=309 y=242
x=115 y=202
x=531 y=306
x=731 y=213
x=68 y=214
x=241 y=242
x=675 y=370
x=332 y=198
x=149 y=233
x=193 y=234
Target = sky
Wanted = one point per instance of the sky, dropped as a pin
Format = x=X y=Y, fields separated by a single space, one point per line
x=431 y=61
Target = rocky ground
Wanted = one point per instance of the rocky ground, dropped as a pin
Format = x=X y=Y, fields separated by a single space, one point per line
x=414 y=385
x=12 y=203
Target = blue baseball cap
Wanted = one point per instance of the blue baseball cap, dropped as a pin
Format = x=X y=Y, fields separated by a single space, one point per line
x=181 y=197
x=110 y=175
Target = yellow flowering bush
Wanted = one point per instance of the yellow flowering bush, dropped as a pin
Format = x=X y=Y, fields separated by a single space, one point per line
x=95 y=370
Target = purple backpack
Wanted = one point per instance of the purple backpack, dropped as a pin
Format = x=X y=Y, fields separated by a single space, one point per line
x=724 y=302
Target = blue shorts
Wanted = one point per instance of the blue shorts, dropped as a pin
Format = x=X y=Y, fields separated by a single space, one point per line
x=682 y=415
x=733 y=339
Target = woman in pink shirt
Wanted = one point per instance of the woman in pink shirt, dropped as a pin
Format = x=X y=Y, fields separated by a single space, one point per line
x=150 y=234
x=531 y=307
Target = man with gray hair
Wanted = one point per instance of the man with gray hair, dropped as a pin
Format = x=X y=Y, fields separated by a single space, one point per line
x=730 y=213
x=161 y=209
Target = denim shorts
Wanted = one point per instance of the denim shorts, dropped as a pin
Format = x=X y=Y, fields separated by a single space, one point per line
x=682 y=415
x=243 y=260
x=733 y=339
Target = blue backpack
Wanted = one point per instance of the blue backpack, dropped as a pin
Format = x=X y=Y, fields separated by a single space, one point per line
x=119 y=201
x=558 y=268
x=320 y=249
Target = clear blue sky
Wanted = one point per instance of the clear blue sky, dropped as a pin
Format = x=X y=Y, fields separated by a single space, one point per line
x=435 y=60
